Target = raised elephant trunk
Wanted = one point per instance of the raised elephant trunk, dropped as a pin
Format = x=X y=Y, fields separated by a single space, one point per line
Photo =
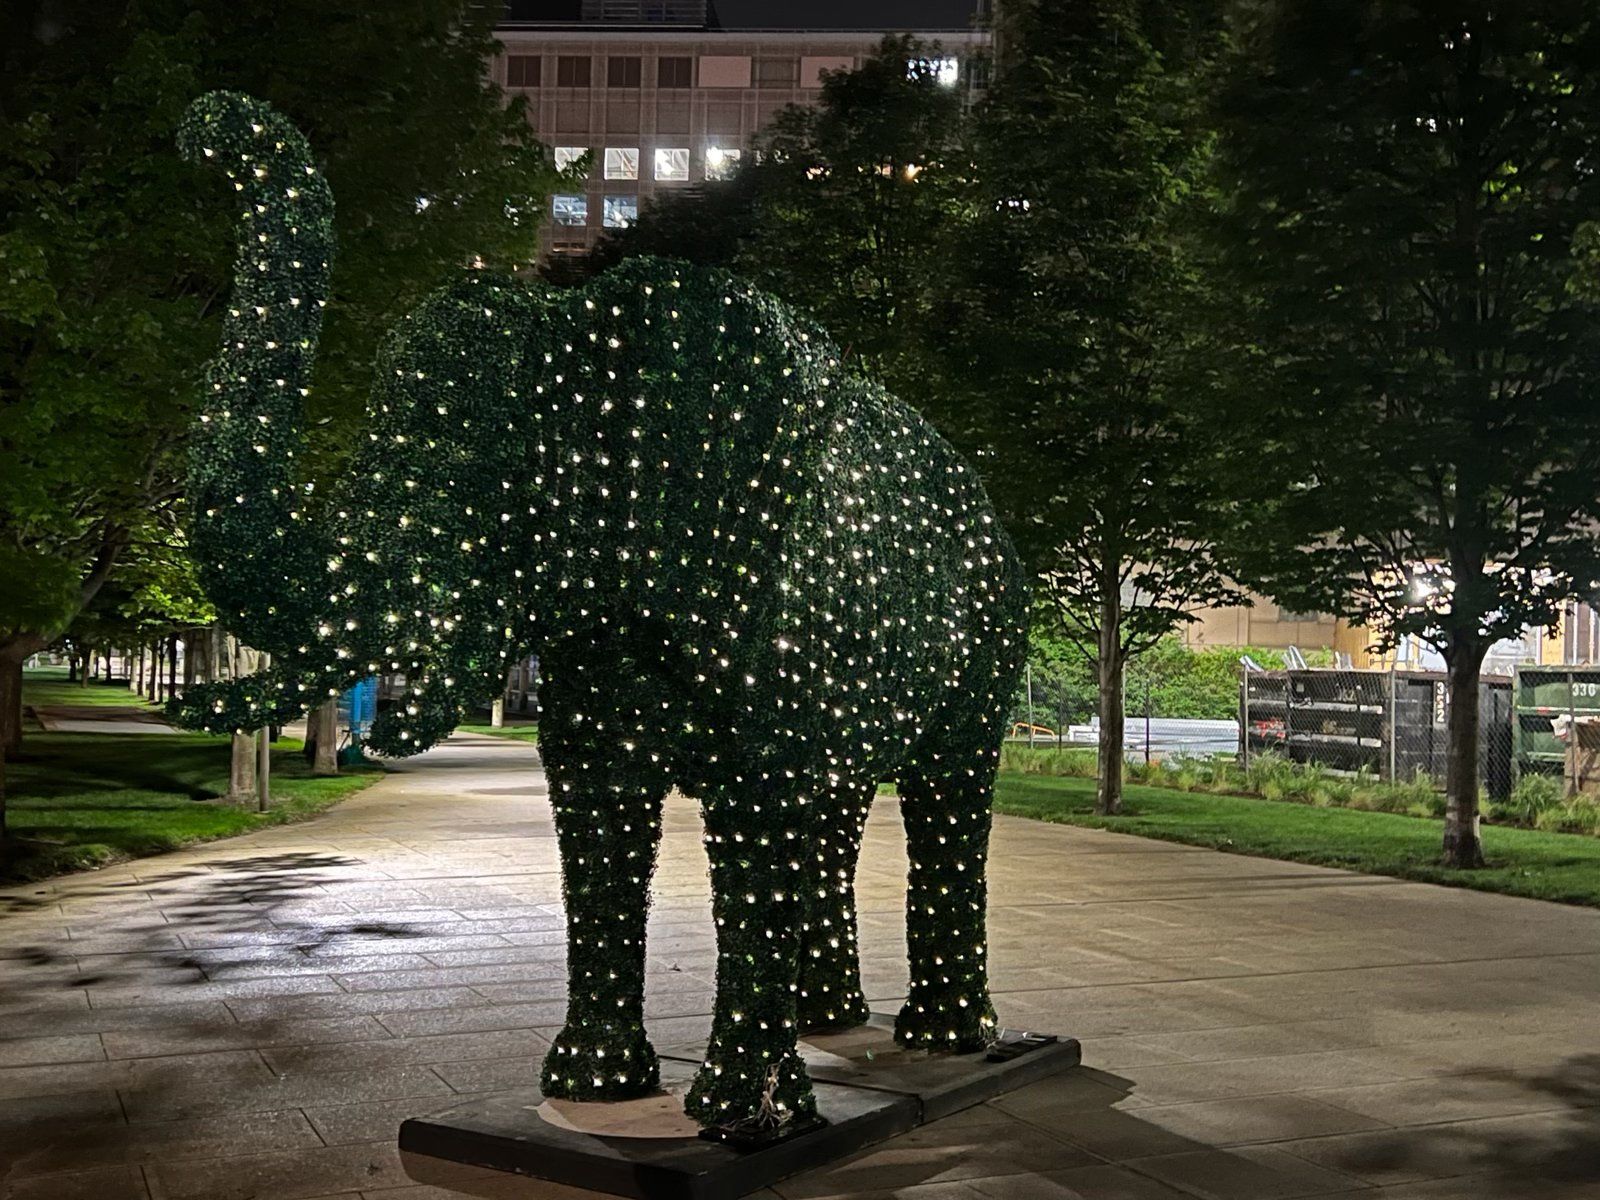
x=259 y=560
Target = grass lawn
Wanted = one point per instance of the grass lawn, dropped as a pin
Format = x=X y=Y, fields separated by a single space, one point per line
x=1522 y=862
x=528 y=732
x=50 y=687
x=77 y=800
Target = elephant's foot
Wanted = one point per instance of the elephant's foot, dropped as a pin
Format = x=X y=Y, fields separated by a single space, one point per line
x=946 y=1027
x=759 y=1096
x=598 y=1061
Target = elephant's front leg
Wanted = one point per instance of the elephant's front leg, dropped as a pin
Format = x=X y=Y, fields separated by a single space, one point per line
x=830 y=959
x=752 y=1077
x=608 y=829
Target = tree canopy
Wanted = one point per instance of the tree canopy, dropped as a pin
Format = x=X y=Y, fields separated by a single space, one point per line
x=1413 y=232
x=1068 y=329
x=116 y=262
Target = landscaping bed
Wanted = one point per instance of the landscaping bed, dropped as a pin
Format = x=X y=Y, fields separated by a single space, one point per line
x=1536 y=802
x=1522 y=862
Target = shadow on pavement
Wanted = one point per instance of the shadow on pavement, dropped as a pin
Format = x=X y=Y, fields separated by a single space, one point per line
x=232 y=904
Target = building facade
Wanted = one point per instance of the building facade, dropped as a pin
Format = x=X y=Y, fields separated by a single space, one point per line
x=670 y=94
x=1260 y=622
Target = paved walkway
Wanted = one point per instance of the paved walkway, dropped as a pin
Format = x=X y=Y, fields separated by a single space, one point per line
x=252 y=1019
x=97 y=718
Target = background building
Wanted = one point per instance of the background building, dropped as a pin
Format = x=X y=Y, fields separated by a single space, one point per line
x=670 y=93
x=1576 y=641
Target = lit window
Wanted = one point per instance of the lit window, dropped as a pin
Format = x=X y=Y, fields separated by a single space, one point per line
x=570 y=210
x=621 y=211
x=672 y=164
x=567 y=156
x=522 y=71
x=622 y=164
x=944 y=70
x=721 y=162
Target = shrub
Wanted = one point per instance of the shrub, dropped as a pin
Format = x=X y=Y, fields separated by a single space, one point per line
x=1533 y=796
x=1537 y=800
x=1047 y=760
x=1583 y=815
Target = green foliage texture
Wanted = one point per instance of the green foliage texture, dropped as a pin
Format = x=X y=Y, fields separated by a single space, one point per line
x=112 y=257
x=1411 y=232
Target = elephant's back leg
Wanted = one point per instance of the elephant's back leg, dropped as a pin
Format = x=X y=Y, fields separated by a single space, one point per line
x=945 y=801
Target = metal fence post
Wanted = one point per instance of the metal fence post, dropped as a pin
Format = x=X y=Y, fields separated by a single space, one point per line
x=1569 y=768
x=1244 y=716
x=263 y=768
x=1030 y=704
x=1394 y=726
x=1147 y=722
x=1516 y=725
x=1288 y=714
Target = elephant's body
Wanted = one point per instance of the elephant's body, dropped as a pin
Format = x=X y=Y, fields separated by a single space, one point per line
x=748 y=575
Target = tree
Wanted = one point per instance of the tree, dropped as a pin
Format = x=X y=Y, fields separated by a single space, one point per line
x=844 y=212
x=115 y=260
x=1414 y=225
x=1070 y=329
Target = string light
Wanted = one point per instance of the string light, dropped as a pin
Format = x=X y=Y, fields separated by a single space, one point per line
x=748 y=574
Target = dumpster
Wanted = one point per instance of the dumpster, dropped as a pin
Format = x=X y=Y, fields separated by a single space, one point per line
x=1541 y=695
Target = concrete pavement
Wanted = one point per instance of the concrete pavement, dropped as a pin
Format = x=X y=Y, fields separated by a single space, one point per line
x=250 y=1020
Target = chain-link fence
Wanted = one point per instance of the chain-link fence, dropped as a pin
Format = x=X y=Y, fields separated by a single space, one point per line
x=1393 y=725
x=1056 y=707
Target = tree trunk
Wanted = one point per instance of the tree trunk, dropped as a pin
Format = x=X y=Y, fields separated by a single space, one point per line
x=10 y=702
x=242 y=770
x=1108 y=794
x=172 y=666
x=1462 y=847
x=322 y=738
